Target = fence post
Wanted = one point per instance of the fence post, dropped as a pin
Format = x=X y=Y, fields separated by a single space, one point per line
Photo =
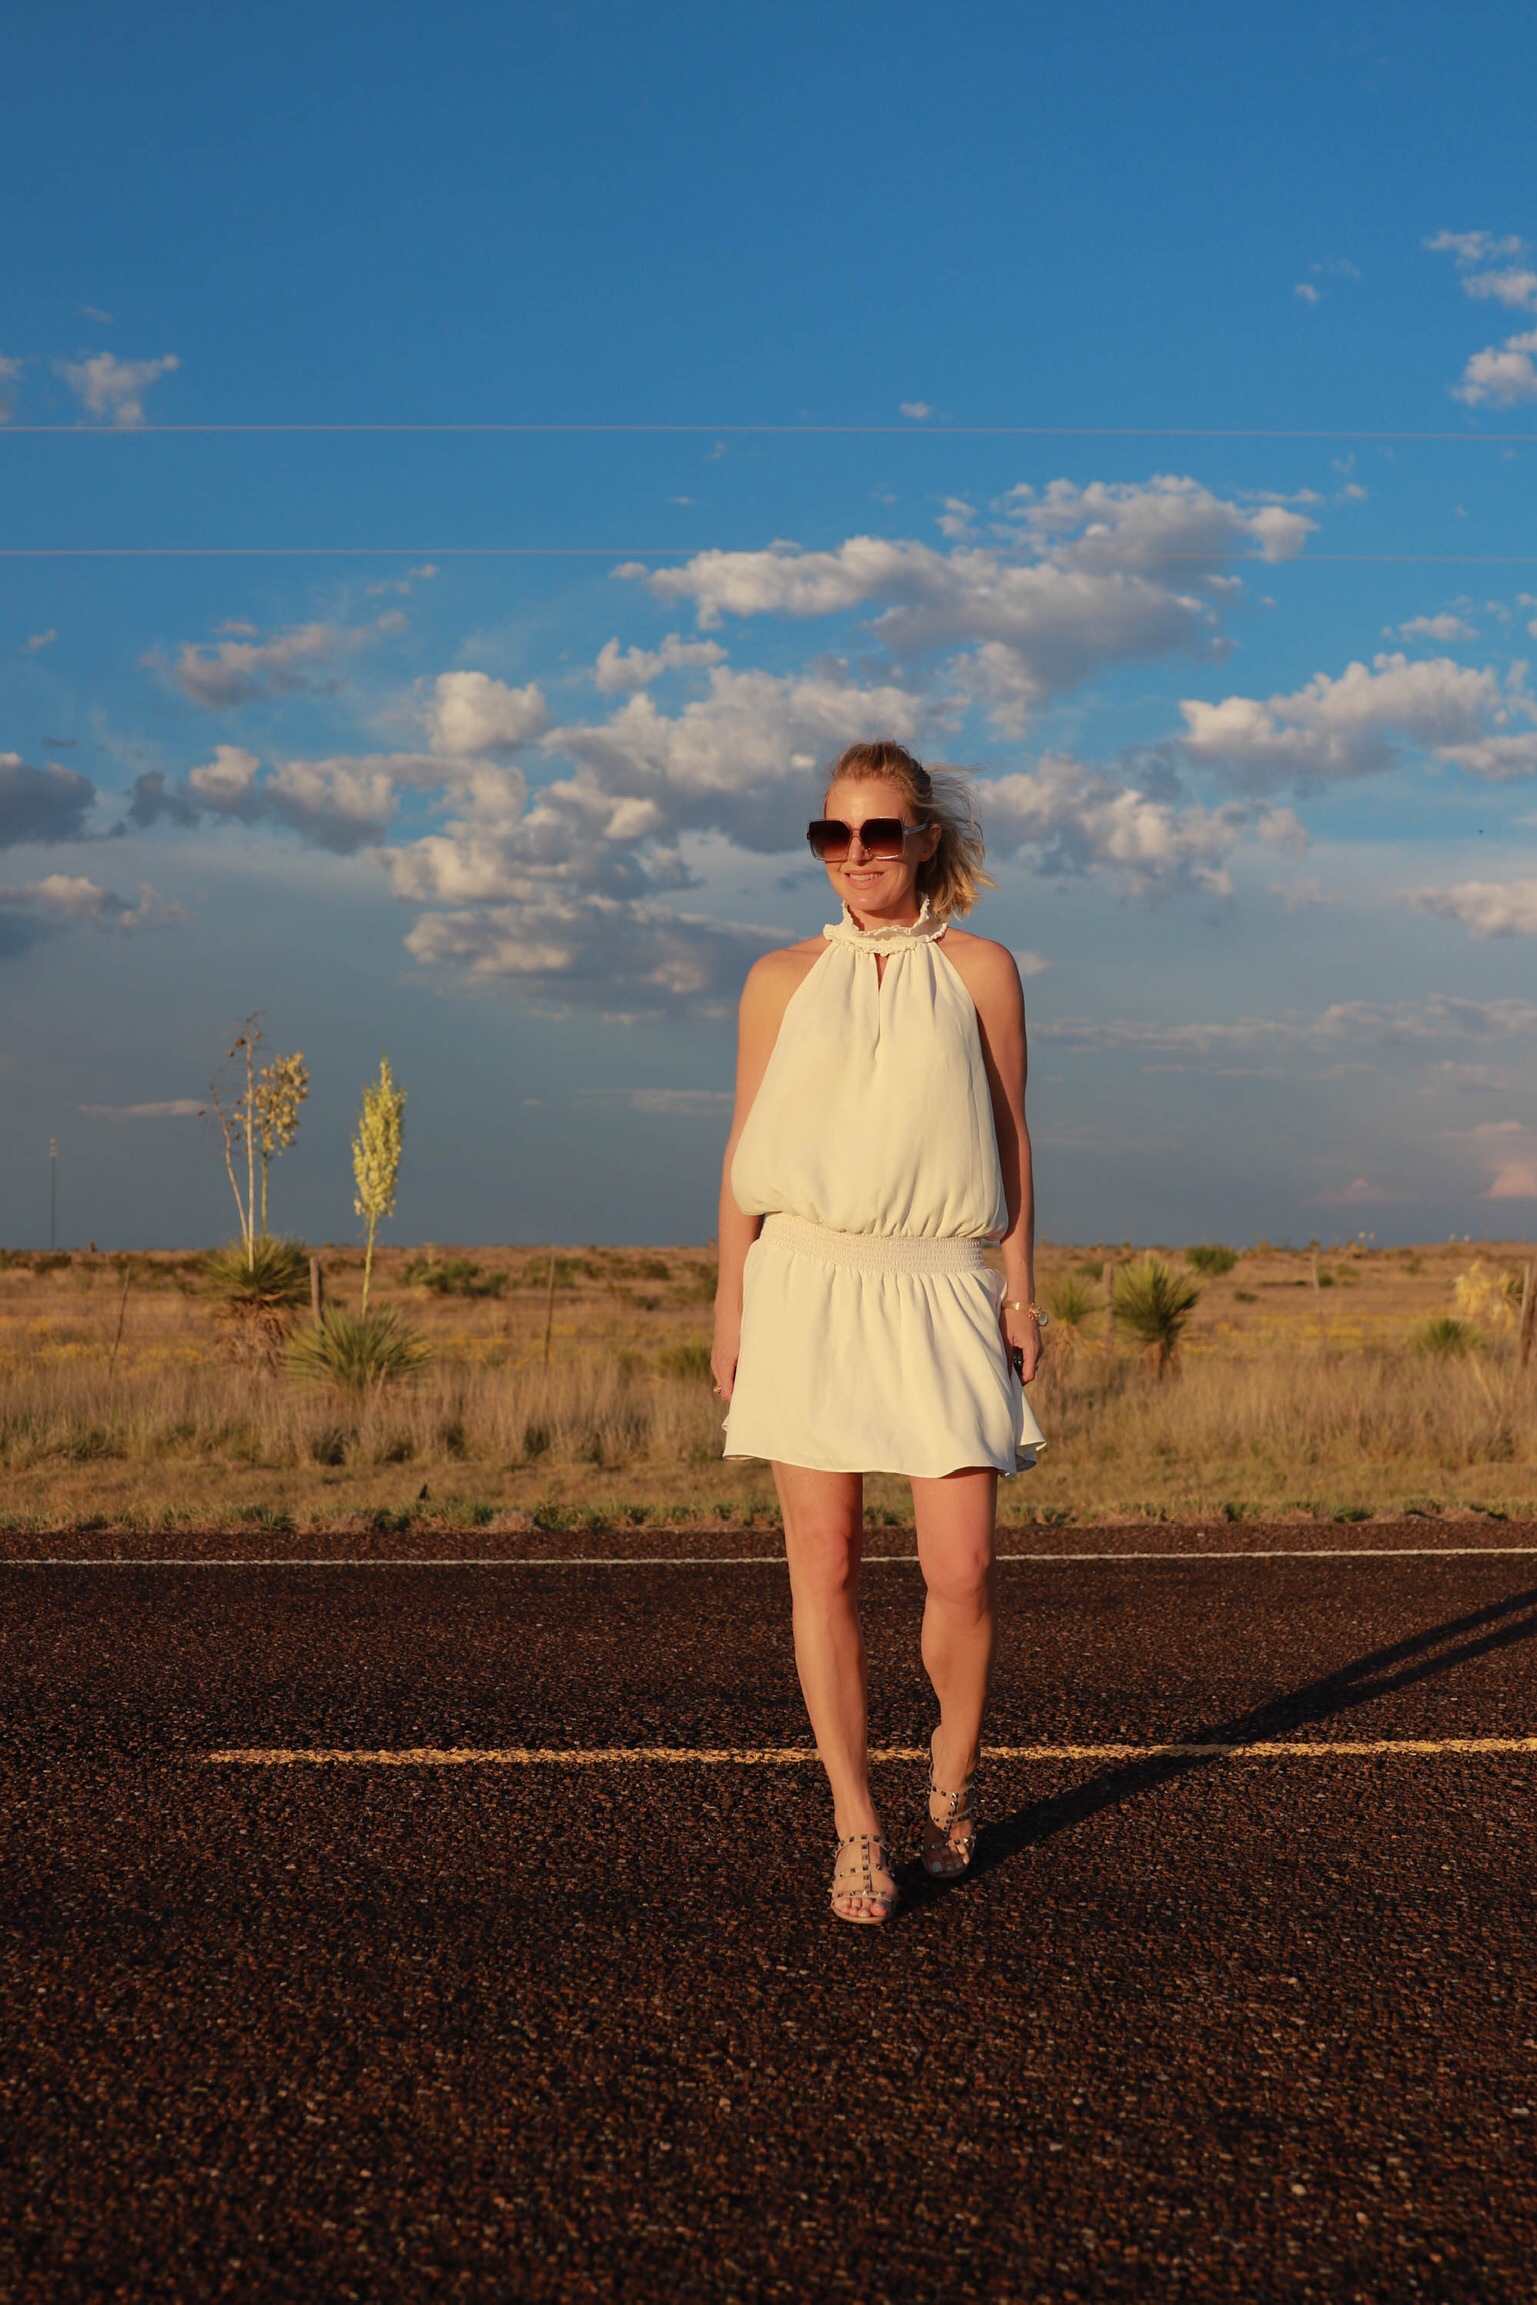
x=1528 y=1313
x=1109 y=1280
x=317 y=1291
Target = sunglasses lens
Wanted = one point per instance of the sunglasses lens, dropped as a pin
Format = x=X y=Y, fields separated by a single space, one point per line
x=880 y=837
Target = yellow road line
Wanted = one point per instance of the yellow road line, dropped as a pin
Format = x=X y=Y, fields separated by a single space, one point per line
x=785 y=1756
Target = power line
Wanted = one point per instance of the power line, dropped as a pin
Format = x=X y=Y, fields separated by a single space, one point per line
x=914 y=431
x=694 y=551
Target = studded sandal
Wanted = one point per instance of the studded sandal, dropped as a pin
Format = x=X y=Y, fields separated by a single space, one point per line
x=943 y=1858
x=854 y=1876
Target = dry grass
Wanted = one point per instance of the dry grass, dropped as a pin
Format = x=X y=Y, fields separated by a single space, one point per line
x=1289 y=1399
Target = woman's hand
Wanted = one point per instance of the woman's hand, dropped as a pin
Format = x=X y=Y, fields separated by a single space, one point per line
x=723 y=1352
x=1021 y=1335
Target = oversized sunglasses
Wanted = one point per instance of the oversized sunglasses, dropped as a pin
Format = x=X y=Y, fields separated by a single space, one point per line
x=881 y=837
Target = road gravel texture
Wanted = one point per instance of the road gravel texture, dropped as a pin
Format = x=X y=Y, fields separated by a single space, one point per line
x=1195 y=2028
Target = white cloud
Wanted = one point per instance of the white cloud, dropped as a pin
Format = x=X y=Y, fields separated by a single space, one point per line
x=1439 y=1016
x=229 y=672
x=1477 y=247
x=1302 y=894
x=342 y=803
x=702 y=1102
x=170 y=1108
x=10 y=377
x=72 y=897
x=1075 y=818
x=917 y=410
x=472 y=716
x=1509 y=1147
x=35 y=642
x=1352 y=725
x=403 y=586
x=1443 y=627
x=1073 y=580
x=627 y=958
x=1032 y=964
x=1497 y=757
x=1516 y=287
x=114 y=389
x=631 y=668
x=1485 y=907
x=1308 y=293
x=225 y=781
x=1360 y=1192
x=1505 y=374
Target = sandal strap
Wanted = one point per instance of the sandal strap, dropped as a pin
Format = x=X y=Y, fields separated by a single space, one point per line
x=960 y=1806
x=860 y=1875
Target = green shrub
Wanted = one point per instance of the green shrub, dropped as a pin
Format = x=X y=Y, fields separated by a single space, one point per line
x=358 y=1352
x=1444 y=1337
x=686 y=1360
x=456 y=1277
x=1155 y=1303
x=256 y=1291
x=1070 y=1301
x=1211 y=1258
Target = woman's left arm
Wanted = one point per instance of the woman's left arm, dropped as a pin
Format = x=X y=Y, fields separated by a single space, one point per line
x=992 y=979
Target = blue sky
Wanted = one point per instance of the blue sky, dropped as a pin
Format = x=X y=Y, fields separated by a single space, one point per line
x=1135 y=408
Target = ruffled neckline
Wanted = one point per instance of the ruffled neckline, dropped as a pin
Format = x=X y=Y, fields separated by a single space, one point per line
x=924 y=930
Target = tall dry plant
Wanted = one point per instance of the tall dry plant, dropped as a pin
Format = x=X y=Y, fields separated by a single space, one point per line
x=279 y=1090
x=234 y=1105
x=1488 y=1295
x=376 y=1159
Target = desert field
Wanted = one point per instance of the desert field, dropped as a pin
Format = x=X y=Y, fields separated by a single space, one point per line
x=1336 y=1385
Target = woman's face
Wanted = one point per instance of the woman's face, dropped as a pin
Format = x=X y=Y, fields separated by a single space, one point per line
x=884 y=887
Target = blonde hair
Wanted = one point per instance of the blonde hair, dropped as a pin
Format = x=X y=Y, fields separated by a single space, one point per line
x=955 y=875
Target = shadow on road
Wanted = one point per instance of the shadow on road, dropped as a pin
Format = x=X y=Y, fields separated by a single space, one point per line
x=1422 y=1657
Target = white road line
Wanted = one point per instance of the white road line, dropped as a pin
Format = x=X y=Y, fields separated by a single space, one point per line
x=760 y=1560
x=784 y=1756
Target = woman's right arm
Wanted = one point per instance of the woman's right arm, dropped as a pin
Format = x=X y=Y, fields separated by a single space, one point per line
x=765 y=996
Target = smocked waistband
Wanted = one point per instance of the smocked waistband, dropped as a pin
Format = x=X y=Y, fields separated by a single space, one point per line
x=874 y=1252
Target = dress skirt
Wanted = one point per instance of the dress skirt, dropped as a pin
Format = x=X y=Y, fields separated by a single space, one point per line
x=875 y=1353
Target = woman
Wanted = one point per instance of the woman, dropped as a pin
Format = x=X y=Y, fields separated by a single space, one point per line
x=878 y=1142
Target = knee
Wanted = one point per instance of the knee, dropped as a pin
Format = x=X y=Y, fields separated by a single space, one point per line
x=824 y=1563
x=963 y=1580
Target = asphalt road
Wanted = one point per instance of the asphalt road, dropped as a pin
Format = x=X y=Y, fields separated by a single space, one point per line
x=1196 y=2027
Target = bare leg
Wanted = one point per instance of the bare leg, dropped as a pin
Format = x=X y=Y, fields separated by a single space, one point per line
x=956 y=1518
x=824 y=1525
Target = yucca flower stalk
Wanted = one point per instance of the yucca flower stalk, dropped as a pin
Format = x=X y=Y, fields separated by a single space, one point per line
x=280 y=1089
x=376 y=1159
x=236 y=1114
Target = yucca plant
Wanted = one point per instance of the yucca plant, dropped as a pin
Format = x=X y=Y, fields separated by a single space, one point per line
x=1070 y=1301
x=358 y=1352
x=1155 y=1302
x=1212 y=1257
x=258 y=1285
x=376 y=1158
x=1444 y=1337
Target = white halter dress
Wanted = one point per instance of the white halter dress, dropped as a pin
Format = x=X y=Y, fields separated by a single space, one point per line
x=870 y=1337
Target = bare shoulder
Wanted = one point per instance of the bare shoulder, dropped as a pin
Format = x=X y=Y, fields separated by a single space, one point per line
x=984 y=966
x=775 y=975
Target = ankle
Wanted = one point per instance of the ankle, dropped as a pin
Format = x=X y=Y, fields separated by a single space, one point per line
x=857 y=1823
x=954 y=1763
